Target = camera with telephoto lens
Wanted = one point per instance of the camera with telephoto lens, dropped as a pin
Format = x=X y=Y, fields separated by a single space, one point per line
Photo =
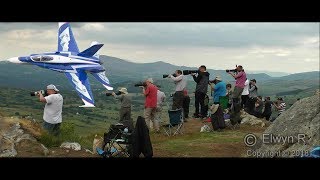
x=43 y=92
x=110 y=94
x=187 y=72
x=140 y=84
x=231 y=70
x=213 y=81
x=166 y=75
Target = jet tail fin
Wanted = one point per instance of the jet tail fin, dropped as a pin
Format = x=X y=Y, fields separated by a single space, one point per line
x=66 y=40
x=91 y=51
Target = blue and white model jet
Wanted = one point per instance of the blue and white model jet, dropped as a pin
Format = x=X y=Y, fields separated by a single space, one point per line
x=73 y=63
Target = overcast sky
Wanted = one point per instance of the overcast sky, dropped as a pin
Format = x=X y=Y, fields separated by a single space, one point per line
x=282 y=47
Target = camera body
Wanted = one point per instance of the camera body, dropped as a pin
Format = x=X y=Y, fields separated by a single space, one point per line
x=140 y=84
x=166 y=75
x=110 y=94
x=187 y=72
x=43 y=92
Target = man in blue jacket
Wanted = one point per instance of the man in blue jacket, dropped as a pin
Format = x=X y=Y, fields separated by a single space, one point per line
x=218 y=90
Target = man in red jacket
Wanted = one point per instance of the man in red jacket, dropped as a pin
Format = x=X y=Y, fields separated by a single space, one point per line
x=150 y=91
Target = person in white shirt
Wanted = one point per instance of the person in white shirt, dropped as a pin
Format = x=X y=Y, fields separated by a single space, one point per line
x=245 y=94
x=52 y=114
x=181 y=83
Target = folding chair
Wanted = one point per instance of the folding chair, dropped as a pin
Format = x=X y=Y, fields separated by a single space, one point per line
x=116 y=142
x=175 y=122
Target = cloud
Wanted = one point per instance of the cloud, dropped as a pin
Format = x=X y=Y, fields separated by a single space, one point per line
x=92 y=27
x=288 y=47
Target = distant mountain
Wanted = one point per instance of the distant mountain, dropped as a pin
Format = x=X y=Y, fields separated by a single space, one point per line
x=270 y=73
x=118 y=68
x=125 y=73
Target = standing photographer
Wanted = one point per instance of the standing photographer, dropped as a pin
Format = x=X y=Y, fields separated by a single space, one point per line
x=181 y=83
x=52 y=114
x=202 y=80
x=150 y=91
x=240 y=77
x=125 y=109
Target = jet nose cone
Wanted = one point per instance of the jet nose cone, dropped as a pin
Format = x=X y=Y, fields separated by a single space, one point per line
x=14 y=60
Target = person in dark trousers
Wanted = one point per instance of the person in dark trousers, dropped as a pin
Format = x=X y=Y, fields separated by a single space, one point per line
x=229 y=95
x=186 y=104
x=245 y=95
x=202 y=80
x=267 y=108
x=253 y=93
x=180 y=83
x=125 y=109
x=217 y=119
x=258 y=107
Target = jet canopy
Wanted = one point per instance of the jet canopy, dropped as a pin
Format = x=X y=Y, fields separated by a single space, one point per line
x=39 y=58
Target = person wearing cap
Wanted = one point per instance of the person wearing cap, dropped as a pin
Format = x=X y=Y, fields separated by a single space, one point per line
x=150 y=92
x=181 y=84
x=125 y=109
x=219 y=89
x=280 y=106
x=52 y=114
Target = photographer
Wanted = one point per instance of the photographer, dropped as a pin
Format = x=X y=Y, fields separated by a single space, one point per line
x=125 y=109
x=181 y=83
x=150 y=91
x=240 y=77
x=202 y=80
x=219 y=90
x=52 y=114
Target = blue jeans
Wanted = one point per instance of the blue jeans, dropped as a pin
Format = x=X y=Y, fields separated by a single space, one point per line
x=53 y=129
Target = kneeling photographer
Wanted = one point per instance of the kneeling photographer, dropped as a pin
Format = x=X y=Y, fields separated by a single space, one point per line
x=181 y=83
x=52 y=114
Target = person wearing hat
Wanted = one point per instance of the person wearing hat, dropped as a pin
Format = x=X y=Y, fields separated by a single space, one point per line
x=125 y=109
x=150 y=92
x=52 y=114
x=219 y=89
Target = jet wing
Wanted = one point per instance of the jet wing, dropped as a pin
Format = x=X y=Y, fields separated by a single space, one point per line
x=101 y=77
x=80 y=83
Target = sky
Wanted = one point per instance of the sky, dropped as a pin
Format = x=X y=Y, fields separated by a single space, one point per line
x=277 y=47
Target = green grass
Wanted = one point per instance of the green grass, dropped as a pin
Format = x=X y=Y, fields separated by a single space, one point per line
x=196 y=143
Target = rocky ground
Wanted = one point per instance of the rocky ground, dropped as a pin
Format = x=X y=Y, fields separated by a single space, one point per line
x=19 y=137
